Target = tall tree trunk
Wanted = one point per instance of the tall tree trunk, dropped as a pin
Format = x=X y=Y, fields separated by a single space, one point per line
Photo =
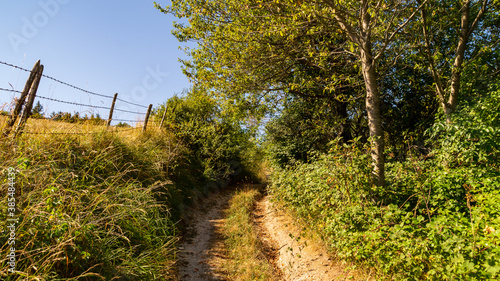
x=363 y=41
x=374 y=120
x=372 y=97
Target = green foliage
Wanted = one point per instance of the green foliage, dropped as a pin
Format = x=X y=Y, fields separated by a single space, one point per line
x=94 y=119
x=37 y=111
x=471 y=139
x=409 y=106
x=122 y=125
x=254 y=53
x=217 y=140
x=438 y=216
x=304 y=128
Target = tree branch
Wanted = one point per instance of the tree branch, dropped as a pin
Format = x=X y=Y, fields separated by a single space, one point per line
x=398 y=29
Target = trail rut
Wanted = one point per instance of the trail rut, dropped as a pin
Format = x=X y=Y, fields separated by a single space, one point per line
x=197 y=251
x=297 y=259
x=294 y=258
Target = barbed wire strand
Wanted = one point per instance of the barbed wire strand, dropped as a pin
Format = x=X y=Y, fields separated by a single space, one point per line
x=78 y=88
x=9 y=90
x=14 y=66
x=77 y=133
x=143 y=106
x=73 y=86
x=127 y=111
x=73 y=103
x=79 y=104
x=125 y=120
x=87 y=105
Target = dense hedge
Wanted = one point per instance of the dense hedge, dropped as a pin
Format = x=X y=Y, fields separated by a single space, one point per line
x=437 y=218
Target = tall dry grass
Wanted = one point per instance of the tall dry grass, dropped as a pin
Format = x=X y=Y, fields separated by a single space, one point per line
x=245 y=260
x=93 y=206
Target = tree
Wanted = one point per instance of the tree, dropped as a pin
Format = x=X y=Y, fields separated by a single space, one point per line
x=453 y=36
x=371 y=28
x=37 y=111
x=255 y=53
x=254 y=50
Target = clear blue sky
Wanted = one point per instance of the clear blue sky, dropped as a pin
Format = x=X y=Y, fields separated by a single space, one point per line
x=108 y=47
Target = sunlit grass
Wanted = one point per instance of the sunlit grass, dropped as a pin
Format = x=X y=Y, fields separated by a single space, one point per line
x=245 y=259
x=91 y=206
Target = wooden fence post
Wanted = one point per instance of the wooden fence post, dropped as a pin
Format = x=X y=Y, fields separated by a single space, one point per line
x=20 y=102
x=111 y=110
x=29 y=104
x=147 y=118
x=163 y=118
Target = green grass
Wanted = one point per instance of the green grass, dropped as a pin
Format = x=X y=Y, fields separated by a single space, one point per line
x=245 y=260
x=92 y=207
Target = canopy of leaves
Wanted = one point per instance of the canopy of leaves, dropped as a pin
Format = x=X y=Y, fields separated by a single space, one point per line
x=260 y=51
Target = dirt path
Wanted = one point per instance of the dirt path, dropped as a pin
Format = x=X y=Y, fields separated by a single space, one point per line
x=297 y=259
x=197 y=253
x=202 y=249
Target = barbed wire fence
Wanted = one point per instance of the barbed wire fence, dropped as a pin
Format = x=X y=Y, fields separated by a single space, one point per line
x=24 y=104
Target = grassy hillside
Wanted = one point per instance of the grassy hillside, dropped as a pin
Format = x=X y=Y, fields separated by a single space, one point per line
x=95 y=205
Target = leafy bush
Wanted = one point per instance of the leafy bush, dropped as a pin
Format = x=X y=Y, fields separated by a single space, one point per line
x=217 y=141
x=438 y=216
x=472 y=137
x=304 y=128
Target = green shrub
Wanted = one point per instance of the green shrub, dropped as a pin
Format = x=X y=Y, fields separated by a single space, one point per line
x=437 y=218
x=217 y=141
x=304 y=128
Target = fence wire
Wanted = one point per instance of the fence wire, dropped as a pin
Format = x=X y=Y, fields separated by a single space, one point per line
x=125 y=120
x=78 y=133
x=128 y=111
x=88 y=105
x=73 y=86
x=78 y=88
x=143 y=106
x=79 y=104
x=14 y=66
x=9 y=90
x=73 y=103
